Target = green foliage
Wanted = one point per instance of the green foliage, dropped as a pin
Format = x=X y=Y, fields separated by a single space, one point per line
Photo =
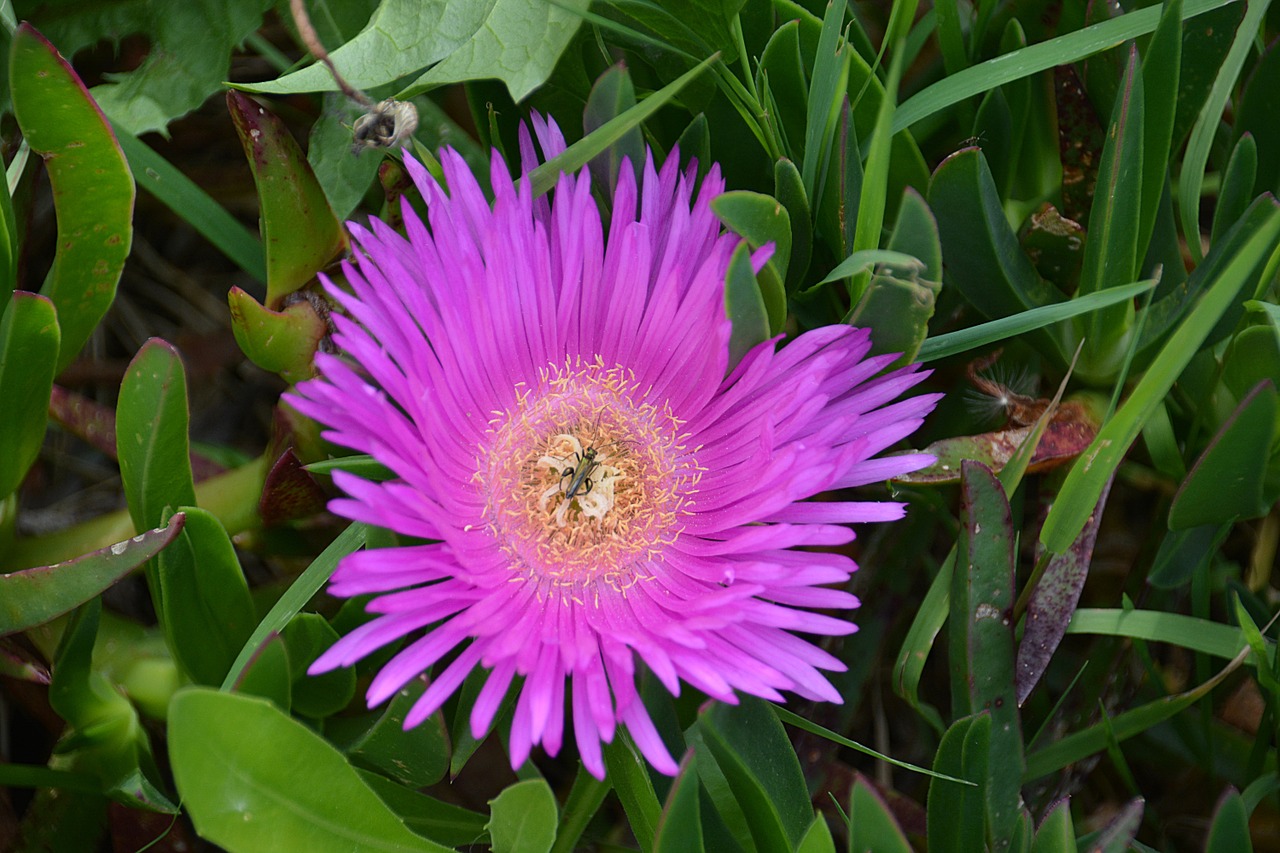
x=1087 y=187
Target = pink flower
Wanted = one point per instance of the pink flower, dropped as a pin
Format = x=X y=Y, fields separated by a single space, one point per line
x=597 y=492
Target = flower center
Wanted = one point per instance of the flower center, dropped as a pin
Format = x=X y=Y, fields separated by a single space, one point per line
x=583 y=479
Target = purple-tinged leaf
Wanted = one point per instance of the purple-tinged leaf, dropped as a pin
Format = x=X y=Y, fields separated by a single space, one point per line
x=289 y=492
x=34 y=596
x=1053 y=602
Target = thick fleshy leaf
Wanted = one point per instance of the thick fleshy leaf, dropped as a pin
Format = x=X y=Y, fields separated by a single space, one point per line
x=523 y=818
x=1056 y=833
x=34 y=596
x=628 y=772
x=284 y=341
x=788 y=188
x=1237 y=186
x=416 y=757
x=1256 y=117
x=299 y=231
x=441 y=822
x=289 y=492
x=781 y=74
x=680 y=827
x=268 y=675
x=751 y=749
x=519 y=43
x=92 y=187
x=1228 y=481
x=240 y=762
x=207 y=611
x=982 y=626
x=611 y=96
x=29 y=337
x=762 y=220
x=106 y=738
x=319 y=696
x=1053 y=603
x=402 y=37
x=745 y=304
x=956 y=813
x=1229 y=831
x=871 y=824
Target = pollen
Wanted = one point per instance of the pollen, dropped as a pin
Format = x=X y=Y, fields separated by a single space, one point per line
x=585 y=479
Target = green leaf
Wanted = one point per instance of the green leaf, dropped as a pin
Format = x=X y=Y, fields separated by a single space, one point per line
x=416 y=757
x=206 y=610
x=1229 y=831
x=307 y=636
x=1111 y=254
x=297 y=596
x=518 y=43
x=29 y=339
x=1237 y=186
x=283 y=342
x=1083 y=485
x=1117 y=835
x=629 y=773
x=982 y=626
x=92 y=187
x=611 y=95
x=1255 y=117
x=946 y=800
x=300 y=232
x=1199 y=635
x=33 y=597
x=253 y=779
x=762 y=219
x=268 y=674
x=1062 y=50
x=680 y=827
x=1161 y=64
x=985 y=262
x=1056 y=833
x=745 y=305
x=1191 y=176
x=788 y=187
x=872 y=826
x=1228 y=480
x=953 y=343
x=403 y=37
x=827 y=85
x=781 y=75
x=106 y=738
x=750 y=748
x=345 y=178
x=818 y=839
x=523 y=818
x=577 y=155
x=441 y=822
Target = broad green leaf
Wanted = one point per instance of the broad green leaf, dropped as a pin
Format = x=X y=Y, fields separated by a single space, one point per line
x=1056 y=833
x=403 y=37
x=1083 y=486
x=1254 y=357
x=297 y=596
x=152 y=444
x=1255 y=117
x=984 y=259
x=29 y=340
x=206 y=610
x=762 y=220
x=1237 y=186
x=947 y=832
x=307 y=636
x=788 y=188
x=519 y=43
x=1229 y=831
x=465 y=743
x=523 y=818
x=299 y=231
x=818 y=839
x=781 y=74
x=416 y=757
x=33 y=597
x=105 y=739
x=268 y=674
x=345 y=178
x=92 y=188
x=680 y=827
x=872 y=826
x=745 y=305
x=1228 y=481
x=254 y=779
x=441 y=822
